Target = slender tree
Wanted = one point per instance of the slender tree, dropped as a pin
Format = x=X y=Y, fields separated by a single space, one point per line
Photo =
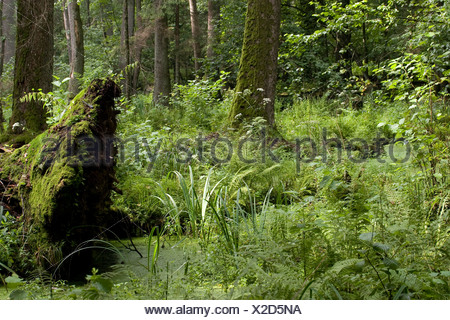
x=76 y=47
x=125 y=58
x=127 y=33
x=195 y=29
x=9 y=30
x=161 y=90
x=131 y=17
x=2 y=40
x=177 y=44
x=213 y=12
x=67 y=29
x=33 y=68
x=255 y=89
x=139 y=41
x=88 y=12
x=2 y=59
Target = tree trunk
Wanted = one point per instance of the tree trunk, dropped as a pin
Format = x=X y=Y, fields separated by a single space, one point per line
x=2 y=60
x=66 y=176
x=77 y=48
x=256 y=83
x=195 y=29
x=9 y=32
x=161 y=90
x=67 y=29
x=138 y=45
x=127 y=31
x=33 y=67
x=213 y=12
x=125 y=49
x=131 y=17
x=177 y=45
x=2 y=44
x=88 y=13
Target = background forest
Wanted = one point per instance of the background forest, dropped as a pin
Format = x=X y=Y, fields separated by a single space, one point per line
x=338 y=183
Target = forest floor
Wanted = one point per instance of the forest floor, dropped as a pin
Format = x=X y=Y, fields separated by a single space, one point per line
x=333 y=223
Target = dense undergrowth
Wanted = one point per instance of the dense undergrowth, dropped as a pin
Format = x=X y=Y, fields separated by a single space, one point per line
x=350 y=204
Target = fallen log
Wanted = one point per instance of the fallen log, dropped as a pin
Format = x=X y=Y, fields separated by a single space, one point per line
x=59 y=185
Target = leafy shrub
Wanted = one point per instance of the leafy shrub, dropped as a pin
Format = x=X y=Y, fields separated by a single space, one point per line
x=14 y=257
x=199 y=103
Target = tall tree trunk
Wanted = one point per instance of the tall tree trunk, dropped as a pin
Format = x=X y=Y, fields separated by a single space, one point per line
x=9 y=32
x=2 y=44
x=33 y=66
x=131 y=17
x=2 y=59
x=258 y=66
x=125 y=49
x=67 y=29
x=88 y=12
x=76 y=46
x=161 y=90
x=365 y=51
x=195 y=29
x=177 y=45
x=138 y=46
x=213 y=12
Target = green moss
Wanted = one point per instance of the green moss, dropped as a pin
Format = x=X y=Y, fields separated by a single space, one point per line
x=54 y=173
x=255 y=90
x=55 y=192
x=18 y=139
x=47 y=188
x=80 y=129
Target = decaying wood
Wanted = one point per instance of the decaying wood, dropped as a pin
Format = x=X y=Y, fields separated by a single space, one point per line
x=60 y=184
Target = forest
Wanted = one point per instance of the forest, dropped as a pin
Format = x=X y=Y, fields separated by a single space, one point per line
x=212 y=149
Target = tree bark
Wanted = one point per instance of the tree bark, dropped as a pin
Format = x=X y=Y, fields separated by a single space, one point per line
x=67 y=29
x=125 y=49
x=9 y=33
x=127 y=31
x=213 y=12
x=161 y=90
x=77 y=48
x=177 y=45
x=131 y=17
x=88 y=12
x=2 y=45
x=195 y=29
x=138 y=46
x=257 y=77
x=2 y=60
x=66 y=176
x=33 y=67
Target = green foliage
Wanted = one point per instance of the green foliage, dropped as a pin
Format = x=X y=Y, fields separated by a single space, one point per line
x=335 y=230
x=13 y=254
x=199 y=102
x=55 y=102
x=9 y=240
x=337 y=49
x=329 y=228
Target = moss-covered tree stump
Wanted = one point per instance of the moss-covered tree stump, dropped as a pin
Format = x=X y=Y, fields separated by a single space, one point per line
x=60 y=184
